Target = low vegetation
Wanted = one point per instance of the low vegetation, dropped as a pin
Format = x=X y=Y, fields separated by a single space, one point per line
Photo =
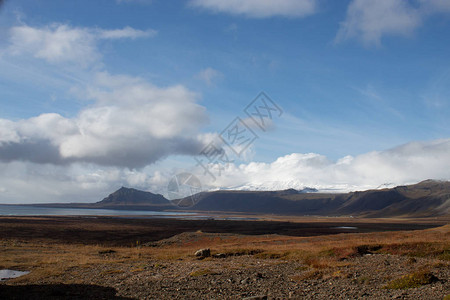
x=413 y=280
x=201 y=272
x=328 y=257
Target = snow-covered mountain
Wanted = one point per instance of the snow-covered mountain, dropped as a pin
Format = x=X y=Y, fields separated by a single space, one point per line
x=302 y=187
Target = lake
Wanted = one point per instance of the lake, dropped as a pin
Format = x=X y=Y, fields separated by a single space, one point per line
x=13 y=210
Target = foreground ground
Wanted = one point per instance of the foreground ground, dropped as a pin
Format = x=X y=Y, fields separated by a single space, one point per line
x=108 y=258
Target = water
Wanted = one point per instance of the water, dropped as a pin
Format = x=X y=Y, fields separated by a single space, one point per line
x=12 y=210
x=345 y=227
x=8 y=274
x=24 y=210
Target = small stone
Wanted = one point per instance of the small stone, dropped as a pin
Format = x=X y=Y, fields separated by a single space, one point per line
x=202 y=253
x=219 y=255
x=261 y=297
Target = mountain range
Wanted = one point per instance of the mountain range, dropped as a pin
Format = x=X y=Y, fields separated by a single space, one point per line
x=425 y=199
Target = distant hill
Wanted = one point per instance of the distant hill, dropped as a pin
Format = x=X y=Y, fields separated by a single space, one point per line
x=127 y=196
x=122 y=199
x=425 y=199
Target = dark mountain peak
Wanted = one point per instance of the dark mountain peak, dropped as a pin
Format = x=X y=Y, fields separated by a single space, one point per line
x=130 y=196
x=124 y=190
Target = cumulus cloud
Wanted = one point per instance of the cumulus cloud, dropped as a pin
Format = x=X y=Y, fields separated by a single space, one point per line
x=209 y=75
x=132 y=124
x=60 y=43
x=370 y=21
x=405 y=164
x=259 y=8
x=26 y=182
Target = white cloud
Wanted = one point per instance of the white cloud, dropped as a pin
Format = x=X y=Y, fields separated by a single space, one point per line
x=132 y=124
x=405 y=164
x=59 y=43
x=126 y=32
x=259 y=8
x=55 y=43
x=209 y=75
x=29 y=182
x=370 y=20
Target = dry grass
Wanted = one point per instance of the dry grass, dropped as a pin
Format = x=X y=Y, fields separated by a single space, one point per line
x=53 y=260
x=413 y=280
x=310 y=274
x=321 y=254
x=201 y=272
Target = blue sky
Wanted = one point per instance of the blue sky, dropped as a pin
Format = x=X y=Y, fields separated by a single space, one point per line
x=356 y=80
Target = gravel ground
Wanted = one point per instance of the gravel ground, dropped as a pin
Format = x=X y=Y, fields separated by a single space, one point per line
x=241 y=277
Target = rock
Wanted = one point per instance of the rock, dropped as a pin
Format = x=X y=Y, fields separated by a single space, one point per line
x=219 y=255
x=261 y=297
x=202 y=253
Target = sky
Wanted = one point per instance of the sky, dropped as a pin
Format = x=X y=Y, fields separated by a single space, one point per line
x=248 y=94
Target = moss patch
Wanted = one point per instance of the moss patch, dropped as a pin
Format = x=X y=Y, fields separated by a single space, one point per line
x=413 y=280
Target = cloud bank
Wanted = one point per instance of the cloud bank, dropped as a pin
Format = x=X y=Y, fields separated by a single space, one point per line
x=404 y=164
x=22 y=182
x=132 y=124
